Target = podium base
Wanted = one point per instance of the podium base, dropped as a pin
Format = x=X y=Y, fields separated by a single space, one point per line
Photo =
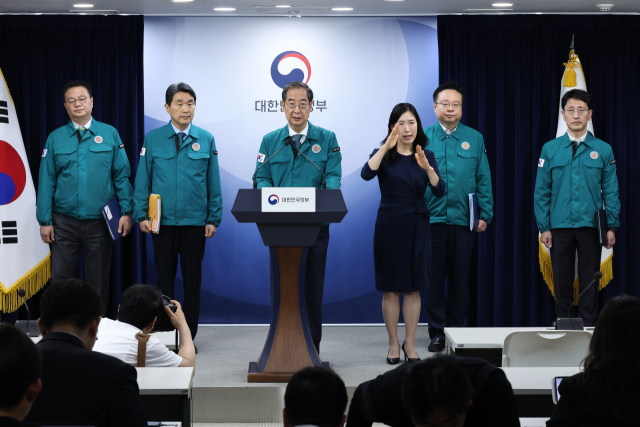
x=272 y=377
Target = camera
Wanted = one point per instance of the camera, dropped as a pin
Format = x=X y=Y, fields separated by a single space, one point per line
x=163 y=323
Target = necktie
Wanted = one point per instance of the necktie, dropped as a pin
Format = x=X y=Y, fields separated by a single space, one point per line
x=80 y=133
x=180 y=136
x=297 y=138
x=574 y=145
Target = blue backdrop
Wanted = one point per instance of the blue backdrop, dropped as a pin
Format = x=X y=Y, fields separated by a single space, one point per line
x=359 y=68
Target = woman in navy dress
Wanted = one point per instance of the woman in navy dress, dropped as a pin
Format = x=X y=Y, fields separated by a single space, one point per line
x=402 y=238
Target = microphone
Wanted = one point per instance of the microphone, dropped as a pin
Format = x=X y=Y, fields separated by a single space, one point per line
x=21 y=324
x=287 y=141
x=295 y=150
x=575 y=323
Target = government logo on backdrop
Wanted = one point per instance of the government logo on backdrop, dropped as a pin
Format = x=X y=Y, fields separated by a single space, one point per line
x=281 y=80
x=24 y=258
x=296 y=75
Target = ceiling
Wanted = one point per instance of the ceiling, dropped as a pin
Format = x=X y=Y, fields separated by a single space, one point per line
x=314 y=7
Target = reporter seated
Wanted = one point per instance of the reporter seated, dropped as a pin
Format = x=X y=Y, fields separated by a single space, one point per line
x=438 y=391
x=138 y=312
x=315 y=396
x=20 y=384
x=80 y=386
x=607 y=393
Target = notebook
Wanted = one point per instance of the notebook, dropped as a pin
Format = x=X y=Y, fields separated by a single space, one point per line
x=474 y=213
x=111 y=213
x=154 y=213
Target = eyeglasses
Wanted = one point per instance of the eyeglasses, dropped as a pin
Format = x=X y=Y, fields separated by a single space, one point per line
x=446 y=105
x=81 y=100
x=293 y=105
x=580 y=111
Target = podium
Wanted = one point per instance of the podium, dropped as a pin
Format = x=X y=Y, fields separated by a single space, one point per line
x=288 y=347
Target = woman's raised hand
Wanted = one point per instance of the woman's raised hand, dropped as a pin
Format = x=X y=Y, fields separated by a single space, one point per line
x=422 y=159
x=392 y=139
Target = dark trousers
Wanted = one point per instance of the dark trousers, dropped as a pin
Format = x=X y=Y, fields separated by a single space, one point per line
x=189 y=242
x=565 y=242
x=92 y=236
x=314 y=284
x=451 y=247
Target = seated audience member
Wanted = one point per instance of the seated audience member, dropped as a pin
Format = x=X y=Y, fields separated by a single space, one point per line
x=137 y=314
x=438 y=391
x=81 y=387
x=607 y=393
x=20 y=383
x=315 y=396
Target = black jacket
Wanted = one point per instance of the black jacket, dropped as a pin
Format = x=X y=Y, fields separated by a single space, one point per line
x=85 y=387
x=379 y=400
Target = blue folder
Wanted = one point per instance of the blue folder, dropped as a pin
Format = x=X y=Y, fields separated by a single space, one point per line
x=474 y=213
x=111 y=213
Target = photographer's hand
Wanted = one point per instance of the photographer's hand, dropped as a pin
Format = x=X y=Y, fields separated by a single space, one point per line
x=187 y=349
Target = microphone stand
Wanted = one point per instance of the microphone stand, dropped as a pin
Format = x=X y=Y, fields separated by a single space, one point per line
x=255 y=181
x=324 y=182
x=575 y=323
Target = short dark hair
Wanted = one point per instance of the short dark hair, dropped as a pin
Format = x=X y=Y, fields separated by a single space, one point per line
x=70 y=302
x=178 y=87
x=438 y=381
x=452 y=85
x=75 y=83
x=297 y=85
x=579 y=94
x=140 y=304
x=20 y=365
x=421 y=138
x=315 y=396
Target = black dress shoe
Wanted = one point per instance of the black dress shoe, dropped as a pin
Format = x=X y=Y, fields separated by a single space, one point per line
x=407 y=358
x=392 y=360
x=437 y=345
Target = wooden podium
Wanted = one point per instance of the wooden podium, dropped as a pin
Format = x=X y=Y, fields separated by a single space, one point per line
x=289 y=347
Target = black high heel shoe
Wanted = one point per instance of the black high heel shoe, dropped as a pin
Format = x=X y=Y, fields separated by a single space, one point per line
x=392 y=360
x=407 y=358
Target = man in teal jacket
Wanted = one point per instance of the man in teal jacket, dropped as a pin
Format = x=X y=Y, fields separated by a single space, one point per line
x=83 y=166
x=289 y=169
x=576 y=177
x=179 y=161
x=462 y=161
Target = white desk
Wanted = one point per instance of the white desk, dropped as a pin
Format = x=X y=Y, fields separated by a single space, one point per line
x=167 y=338
x=166 y=393
x=536 y=381
x=457 y=338
x=533 y=422
x=176 y=381
x=532 y=388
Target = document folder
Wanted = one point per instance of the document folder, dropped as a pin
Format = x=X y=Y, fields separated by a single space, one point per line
x=154 y=213
x=601 y=217
x=474 y=213
x=111 y=213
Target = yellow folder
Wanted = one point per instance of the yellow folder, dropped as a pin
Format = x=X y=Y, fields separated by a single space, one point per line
x=154 y=213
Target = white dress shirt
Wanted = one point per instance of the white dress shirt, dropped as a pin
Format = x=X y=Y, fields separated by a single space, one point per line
x=578 y=140
x=447 y=131
x=303 y=133
x=118 y=339
x=86 y=125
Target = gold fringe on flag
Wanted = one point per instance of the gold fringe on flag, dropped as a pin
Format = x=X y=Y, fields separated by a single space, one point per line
x=31 y=282
x=569 y=74
x=606 y=268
